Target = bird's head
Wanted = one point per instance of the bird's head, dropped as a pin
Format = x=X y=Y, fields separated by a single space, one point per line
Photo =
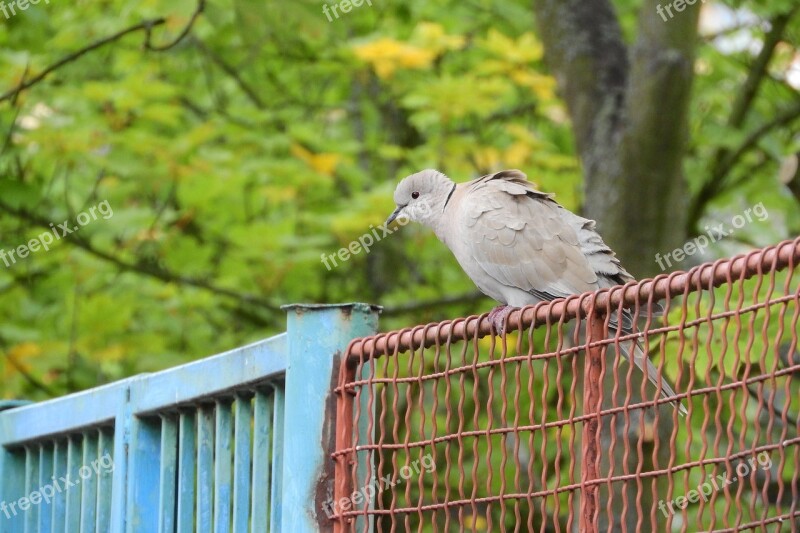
x=421 y=197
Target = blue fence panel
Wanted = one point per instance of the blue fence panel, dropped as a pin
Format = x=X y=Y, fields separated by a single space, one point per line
x=235 y=442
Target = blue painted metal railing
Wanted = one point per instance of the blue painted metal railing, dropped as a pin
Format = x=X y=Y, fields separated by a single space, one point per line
x=235 y=442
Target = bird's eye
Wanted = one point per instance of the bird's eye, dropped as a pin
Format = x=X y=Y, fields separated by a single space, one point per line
x=415 y=195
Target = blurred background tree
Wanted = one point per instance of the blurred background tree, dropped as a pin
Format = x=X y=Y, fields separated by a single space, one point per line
x=238 y=141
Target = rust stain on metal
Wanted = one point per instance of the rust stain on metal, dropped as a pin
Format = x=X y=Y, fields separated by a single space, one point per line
x=326 y=481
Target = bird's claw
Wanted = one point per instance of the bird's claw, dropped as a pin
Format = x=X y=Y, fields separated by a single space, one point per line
x=497 y=317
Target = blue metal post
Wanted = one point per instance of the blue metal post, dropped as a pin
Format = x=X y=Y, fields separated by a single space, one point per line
x=318 y=337
x=12 y=471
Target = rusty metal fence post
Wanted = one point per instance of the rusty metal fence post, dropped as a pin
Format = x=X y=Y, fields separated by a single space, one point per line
x=344 y=430
x=590 y=453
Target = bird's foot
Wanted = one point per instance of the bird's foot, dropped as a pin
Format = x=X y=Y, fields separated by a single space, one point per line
x=497 y=317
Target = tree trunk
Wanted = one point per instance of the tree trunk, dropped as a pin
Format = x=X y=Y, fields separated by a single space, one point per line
x=629 y=111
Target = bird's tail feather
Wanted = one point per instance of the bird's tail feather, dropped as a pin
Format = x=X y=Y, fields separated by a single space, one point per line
x=646 y=365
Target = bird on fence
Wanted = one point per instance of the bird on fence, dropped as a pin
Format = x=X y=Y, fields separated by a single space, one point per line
x=518 y=245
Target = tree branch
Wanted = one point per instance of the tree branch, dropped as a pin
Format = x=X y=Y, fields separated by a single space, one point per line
x=146 y=25
x=414 y=307
x=741 y=106
x=746 y=95
x=30 y=378
x=201 y=5
x=783 y=119
x=150 y=270
x=231 y=71
x=792 y=178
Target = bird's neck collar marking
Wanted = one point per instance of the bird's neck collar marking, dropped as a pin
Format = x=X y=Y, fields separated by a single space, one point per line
x=448 y=196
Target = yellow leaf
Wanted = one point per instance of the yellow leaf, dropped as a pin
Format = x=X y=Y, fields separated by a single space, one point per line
x=17 y=356
x=322 y=163
x=522 y=133
x=516 y=155
x=542 y=86
x=524 y=50
x=176 y=22
x=24 y=350
x=115 y=352
x=325 y=163
x=149 y=234
x=386 y=55
x=487 y=157
x=278 y=194
x=477 y=522
x=431 y=36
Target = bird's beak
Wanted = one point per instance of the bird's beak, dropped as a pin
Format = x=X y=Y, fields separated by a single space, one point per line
x=394 y=215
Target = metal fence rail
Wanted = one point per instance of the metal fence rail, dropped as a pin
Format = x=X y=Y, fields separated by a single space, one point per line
x=235 y=442
x=448 y=427
x=174 y=430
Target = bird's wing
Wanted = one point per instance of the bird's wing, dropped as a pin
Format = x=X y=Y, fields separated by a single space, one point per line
x=601 y=258
x=520 y=237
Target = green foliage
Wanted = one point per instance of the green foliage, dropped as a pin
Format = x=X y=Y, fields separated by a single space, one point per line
x=267 y=138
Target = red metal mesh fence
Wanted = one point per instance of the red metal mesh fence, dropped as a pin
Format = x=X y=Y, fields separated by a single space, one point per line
x=448 y=427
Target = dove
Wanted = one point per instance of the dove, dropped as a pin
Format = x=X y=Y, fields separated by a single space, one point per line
x=518 y=245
